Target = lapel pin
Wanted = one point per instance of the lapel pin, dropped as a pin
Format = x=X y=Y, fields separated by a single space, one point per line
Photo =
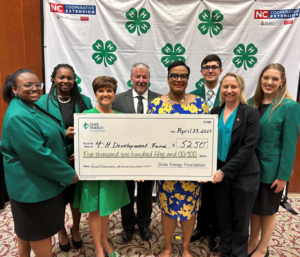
x=238 y=119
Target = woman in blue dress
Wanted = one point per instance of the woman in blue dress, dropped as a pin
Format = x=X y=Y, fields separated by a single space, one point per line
x=178 y=200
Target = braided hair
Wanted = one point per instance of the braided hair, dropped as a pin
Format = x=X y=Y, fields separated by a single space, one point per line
x=75 y=94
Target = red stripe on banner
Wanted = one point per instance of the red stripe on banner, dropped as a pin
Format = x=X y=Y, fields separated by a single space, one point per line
x=288 y=22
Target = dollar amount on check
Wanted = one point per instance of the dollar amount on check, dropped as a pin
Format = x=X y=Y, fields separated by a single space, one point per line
x=145 y=146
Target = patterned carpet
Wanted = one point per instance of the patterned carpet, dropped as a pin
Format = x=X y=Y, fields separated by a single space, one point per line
x=284 y=242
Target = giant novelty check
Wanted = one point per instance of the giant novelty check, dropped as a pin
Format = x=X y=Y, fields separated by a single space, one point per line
x=149 y=147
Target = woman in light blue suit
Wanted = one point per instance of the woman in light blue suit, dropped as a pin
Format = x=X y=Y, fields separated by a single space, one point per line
x=276 y=149
x=35 y=159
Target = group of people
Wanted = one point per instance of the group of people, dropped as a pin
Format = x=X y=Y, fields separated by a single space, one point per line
x=256 y=150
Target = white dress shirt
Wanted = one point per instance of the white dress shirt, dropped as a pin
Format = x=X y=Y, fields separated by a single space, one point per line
x=215 y=90
x=136 y=100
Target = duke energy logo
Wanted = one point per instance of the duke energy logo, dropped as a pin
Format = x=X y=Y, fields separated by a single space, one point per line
x=276 y=14
x=85 y=125
x=94 y=127
x=73 y=9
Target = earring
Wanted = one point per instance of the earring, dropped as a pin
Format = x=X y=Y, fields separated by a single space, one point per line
x=16 y=94
x=280 y=87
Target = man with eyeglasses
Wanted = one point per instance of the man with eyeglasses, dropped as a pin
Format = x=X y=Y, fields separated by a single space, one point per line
x=211 y=69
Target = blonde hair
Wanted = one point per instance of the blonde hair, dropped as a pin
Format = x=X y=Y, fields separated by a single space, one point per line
x=241 y=83
x=282 y=92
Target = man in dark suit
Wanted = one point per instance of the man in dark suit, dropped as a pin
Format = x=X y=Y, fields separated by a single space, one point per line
x=211 y=69
x=136 y=100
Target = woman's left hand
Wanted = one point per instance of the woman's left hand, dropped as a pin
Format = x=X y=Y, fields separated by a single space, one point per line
x=71 y=158
x=217 y=177
x=280 y=185
x=70 y=133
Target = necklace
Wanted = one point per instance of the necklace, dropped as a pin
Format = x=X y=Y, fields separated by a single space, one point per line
x=171 y=101
x=64 y=102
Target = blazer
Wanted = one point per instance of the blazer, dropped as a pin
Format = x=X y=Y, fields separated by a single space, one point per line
x=34 y=154
x=124 y=101
x=201 y=92
x=55 y=111
x=241 y=158
x=277 y=142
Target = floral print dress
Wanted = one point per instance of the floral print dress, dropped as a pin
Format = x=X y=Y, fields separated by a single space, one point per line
x=180 y=200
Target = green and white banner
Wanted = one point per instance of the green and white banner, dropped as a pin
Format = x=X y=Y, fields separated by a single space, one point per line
x=105 y=37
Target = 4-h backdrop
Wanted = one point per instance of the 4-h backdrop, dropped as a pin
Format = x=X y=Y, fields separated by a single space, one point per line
x=105 y=37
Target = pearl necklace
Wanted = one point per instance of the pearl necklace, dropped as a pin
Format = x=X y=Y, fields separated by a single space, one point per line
x=171 y=101
x=64 y=102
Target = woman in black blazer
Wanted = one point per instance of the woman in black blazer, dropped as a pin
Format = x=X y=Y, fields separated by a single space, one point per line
x=237 y=178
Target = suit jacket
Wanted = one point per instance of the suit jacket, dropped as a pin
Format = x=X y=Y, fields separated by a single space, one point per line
x=201 y=92
x=55 y=111
x=241 y=158
x=34 y=154
x=277 y=142
x=124 y=101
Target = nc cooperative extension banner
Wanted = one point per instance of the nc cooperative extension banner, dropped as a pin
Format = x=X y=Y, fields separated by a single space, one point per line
x=105 y=37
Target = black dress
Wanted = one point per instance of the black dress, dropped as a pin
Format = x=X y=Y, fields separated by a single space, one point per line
x=67 y=110
x=37 y=221
x=267 y=202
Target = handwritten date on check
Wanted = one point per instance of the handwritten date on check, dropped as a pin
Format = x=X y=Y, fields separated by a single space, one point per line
x=144 y=146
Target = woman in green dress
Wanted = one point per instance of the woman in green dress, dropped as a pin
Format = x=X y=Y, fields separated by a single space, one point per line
x=101 y=198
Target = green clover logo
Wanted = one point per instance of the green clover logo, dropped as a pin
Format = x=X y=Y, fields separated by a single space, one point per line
x=104 y=53
x=245 y=57
x=137 y=21
x=209 y=23
x=172 y=55
x=77 y=79
x=129 y=84
x=200 y=83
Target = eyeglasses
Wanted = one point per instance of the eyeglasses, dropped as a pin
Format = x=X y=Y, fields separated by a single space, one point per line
x=175 y=76
x=37 y=85
x=207 y=68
